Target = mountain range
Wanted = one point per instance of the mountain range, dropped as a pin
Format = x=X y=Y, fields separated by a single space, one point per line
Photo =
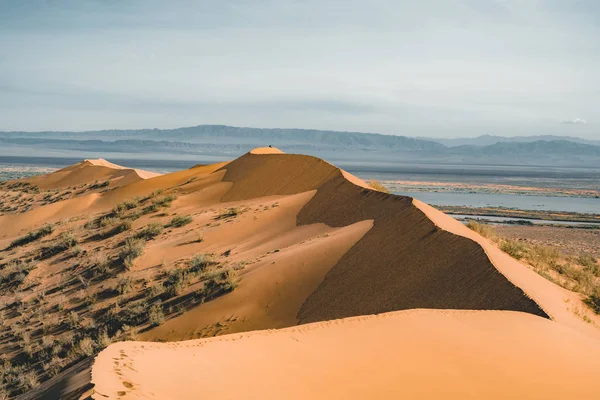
x=228 y=142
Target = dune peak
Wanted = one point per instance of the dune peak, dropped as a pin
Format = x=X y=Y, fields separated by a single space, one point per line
x=266 y=150
x=101 y=162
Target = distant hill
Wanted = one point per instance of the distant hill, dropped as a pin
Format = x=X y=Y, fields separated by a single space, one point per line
x=486 y=140
x=227 y=142
x=230 y=134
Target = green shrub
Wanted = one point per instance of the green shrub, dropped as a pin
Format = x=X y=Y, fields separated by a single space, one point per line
x=513 y=249
x=150 y=231
x=152 y=208
x=165 y=201
x=484 y=230
x=181 y=220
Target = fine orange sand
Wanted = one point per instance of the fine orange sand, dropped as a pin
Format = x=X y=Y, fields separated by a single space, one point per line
x=322 y=254
x=89 y=171
x=417 y=354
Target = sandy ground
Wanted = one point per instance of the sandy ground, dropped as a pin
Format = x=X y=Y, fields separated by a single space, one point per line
x=570 y=241
x=412 y=354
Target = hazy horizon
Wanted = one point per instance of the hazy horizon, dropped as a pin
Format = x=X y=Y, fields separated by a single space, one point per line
x=295 y=128
x=433 y=68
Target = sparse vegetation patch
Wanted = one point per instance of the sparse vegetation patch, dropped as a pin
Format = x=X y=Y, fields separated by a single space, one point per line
x=181 y=220
x=33 y=236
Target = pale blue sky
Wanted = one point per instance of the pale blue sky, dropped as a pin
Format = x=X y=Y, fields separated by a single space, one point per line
x=442 y=68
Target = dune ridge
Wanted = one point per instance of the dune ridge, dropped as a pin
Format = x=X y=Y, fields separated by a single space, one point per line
x=393 y=260
x=403 y=354
x=89 y=171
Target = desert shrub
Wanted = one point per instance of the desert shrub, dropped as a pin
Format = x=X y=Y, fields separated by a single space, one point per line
x=542 y=256
x=156 y=316
x=484 y=230
x=593 y=302
x=116 y=229
x=101 y=264
x=231 y=280
x=124 y=285
x=28 y=380
x=589 y=263
x=181 y=220
x=103 y=340
x=54 y=366
x=152 y=208
x=65 y=241
x=176 y=281
x=200 y=262
x=47 y=341
x=513 y=248
x=154 y=290
x=73 y=320
x=121 y=208
x=378 y=186
x=129 y=332
x=200 y=237
x=85 y=347
x=108 y=221
x=77 y=250
x=231 y=212
x=17 y=272
x=33 y=236
x=132 y=315
x=134 y=247
x=151 y=230
x=165 y=201
x=50 y=322
x=90 y=299
x=60 y=301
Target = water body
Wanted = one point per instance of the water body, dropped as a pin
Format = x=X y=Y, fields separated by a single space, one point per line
x=564 y=177
x=539 y=203
x=527 y=176
x=501 y=220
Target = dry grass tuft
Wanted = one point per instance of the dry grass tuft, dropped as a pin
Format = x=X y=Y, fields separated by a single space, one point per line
x=579 y=275
x=376 y=185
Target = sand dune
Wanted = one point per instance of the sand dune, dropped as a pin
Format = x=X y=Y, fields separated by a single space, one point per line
x=413 y=354
x=395 y=259
x=89 y=171
x=310 y=243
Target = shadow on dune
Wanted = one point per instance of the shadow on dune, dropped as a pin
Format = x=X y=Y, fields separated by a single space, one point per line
x=405 y=261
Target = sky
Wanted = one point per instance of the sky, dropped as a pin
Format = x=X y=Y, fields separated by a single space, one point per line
x=434 y=68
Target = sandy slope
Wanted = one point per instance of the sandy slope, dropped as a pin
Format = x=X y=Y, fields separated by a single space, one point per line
x=89 y=171
x=315 y=244
x=411 y=354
